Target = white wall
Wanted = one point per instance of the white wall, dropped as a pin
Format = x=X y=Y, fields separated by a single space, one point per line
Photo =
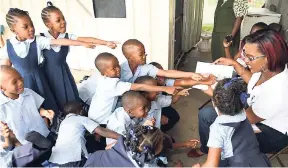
x=147 y=20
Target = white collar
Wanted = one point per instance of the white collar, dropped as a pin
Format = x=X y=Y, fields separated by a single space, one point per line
x=4 y=99
x=14 y=40
x=231 y=119
x=48 y=35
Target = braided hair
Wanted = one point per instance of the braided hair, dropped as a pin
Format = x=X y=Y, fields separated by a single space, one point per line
x=230 y=96
x=45 y=14
x=14 y=13
x=142 y=141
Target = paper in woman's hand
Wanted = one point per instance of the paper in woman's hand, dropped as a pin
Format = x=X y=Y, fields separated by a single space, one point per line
x=220 y=71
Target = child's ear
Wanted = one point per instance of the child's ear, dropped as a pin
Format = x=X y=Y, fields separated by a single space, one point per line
x=13 y=31
x=130 y=112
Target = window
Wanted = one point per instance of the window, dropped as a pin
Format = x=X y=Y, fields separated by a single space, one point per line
x=109 y=8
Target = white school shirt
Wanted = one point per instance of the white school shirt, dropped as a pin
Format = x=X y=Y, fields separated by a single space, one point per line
x=169 y=82
x=156 y=108
x=22 y=115
x=57 y=48
x=269 y=100
x=21 y=48
x=71 y=142
x=105 y=98
x=117 y=122
x=6 y=158
x=142 y=70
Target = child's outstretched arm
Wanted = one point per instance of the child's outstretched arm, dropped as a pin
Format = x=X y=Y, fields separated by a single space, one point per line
x=110 y=44
x=188 y=144
x=68 y=42
x=106 y=133
x=213 y=158
x=184 y=92
x=178 y=74
x=210 y=80
x=150 y=88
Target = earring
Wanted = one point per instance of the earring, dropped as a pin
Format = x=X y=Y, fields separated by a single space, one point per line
x=263 y=68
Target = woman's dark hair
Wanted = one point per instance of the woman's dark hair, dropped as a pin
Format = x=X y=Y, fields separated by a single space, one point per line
x=230 y=96
x=275 y=26
x=273 y=46
x=45 y=14
x=74 y=107
x=14 y=13
x=142 y=141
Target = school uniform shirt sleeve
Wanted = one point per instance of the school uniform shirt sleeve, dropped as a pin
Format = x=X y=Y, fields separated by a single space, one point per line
x=89 y=124
x=121 y=87
x=72 y=36
x=216 y=135
x=37 y=98
x=169 y=82
x=4 y=52
x=151 y=70
x=43 y=42
x=164 y=100
x=240 y=8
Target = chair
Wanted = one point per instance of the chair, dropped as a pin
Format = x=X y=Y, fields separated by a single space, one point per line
x=276 y=155
x=203 y=105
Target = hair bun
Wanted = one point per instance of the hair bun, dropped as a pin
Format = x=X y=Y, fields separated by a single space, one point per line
x=49 y=3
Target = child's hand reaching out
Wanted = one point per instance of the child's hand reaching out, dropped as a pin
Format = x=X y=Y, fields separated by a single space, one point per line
x=150 y=122
x=89 y=45
x=112 y=44
x=184 y=92
x=197 y=77
x=209 y=80
x=191 y=143
x=173 y=90
x=47 y=114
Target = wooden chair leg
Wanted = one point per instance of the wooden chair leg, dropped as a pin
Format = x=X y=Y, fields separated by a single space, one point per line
x=280 y=161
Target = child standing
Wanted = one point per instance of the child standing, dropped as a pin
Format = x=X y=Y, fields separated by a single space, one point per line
x=170 y=116
x=232 y=141
x=56 y=68
x=24 y=52
x=136 y=66
x=19 y=106
x=109 y=88
x=73 y=153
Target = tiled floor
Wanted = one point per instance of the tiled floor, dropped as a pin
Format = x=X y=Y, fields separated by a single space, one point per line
x=187 y=128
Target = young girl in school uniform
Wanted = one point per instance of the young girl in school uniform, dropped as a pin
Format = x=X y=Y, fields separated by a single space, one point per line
x=24 y=52
x=56 y=68
x=232 y=141
x=139 y=149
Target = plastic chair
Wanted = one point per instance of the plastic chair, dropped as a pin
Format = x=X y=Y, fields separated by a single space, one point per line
x=276 y=155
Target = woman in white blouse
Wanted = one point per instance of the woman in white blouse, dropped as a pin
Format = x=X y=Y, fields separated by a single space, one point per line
x=266 y=54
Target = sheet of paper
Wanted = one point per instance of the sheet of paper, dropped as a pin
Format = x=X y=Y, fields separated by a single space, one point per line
x=220 y=71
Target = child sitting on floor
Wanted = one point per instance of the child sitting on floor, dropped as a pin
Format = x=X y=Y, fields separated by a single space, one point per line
x=139 y=148
x=32 y=153
x=170 y=116
x=232 y=141
x=70 y=149
x=20 y=106
x=158 y=101
x=109 y=88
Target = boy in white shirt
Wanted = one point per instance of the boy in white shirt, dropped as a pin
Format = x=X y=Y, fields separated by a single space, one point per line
x=19 y=107
x=70 y=149
x=109 y=88
x=135 y=107
x=158 y=101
